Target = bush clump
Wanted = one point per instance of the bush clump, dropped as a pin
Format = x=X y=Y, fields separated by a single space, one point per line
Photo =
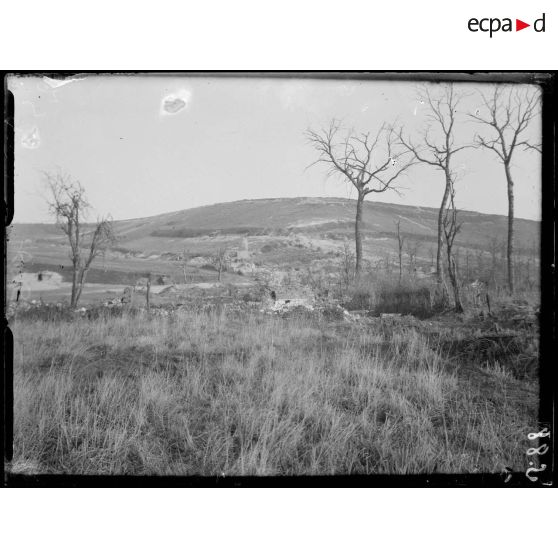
x=378 y=295
x=401 y=299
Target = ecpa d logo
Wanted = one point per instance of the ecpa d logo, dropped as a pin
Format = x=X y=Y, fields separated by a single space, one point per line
x=492 y=25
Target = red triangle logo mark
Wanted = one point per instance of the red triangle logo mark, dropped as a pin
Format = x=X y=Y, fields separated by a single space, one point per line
x=519 y=25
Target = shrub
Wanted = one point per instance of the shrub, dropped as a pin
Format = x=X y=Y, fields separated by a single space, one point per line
x=400 y=299
x=361 y=301
x=208 y=267
x=270 y=247
x=379 y=294
x=252 y=297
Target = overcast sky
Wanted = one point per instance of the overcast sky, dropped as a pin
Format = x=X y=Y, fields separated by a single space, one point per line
x=145 y=145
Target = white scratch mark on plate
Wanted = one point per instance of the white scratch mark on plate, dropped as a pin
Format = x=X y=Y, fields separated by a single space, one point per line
x=54 y=83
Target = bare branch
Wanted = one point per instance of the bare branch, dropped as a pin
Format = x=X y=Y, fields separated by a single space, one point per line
x=533 y=146
x=352 y=156
x=509 y=116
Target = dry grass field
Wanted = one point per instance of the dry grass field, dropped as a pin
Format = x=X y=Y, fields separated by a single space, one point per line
x=233 y=391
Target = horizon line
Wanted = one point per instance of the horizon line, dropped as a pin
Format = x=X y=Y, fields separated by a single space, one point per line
x=15 y=222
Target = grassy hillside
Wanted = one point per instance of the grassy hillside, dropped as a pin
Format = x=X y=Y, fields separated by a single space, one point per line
x=318 y=218
x=301 y=214
x=317 y=215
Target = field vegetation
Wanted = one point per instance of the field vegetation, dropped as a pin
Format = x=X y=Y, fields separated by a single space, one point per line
x=225 y=389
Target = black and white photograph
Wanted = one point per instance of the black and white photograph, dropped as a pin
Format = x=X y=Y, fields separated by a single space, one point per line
x=276 y=276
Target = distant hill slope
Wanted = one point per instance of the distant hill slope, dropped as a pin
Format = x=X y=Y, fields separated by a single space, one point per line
x=320 y=215
x=313 y=216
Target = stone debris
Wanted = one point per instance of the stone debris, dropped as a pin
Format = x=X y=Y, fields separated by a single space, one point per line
x=387 y=316
x=242 y=267
x=350 y=316
x=328 y=311
x=114 y=302
x=199 y=261
x=285 y=305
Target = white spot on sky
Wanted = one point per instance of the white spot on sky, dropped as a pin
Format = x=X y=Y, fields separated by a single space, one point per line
x=31 y=139
x=175 y=102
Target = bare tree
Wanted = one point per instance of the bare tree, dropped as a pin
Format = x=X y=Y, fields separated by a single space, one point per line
x=431 y=253
x=508 y=113
x=18 y=262
x=387 y=263
x=400 y=244
x=467 y=266
x=372 y=164
x=148 y=291
x=441 y=115
x=480 y=274
x=451 y=228
x=412 y=250
x=68 y=203
x=220 y=260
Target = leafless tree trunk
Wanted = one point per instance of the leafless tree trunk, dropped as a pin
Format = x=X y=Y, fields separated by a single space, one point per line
x=412 y=251
x=184 y=260
x=441 y=212
x=358 y=232
x=351 y=156
x=400 y=243
x=451 y=229
x=507 y=112
x=511 y=216
x=220 y=261
x=147 y=291
x=442 y=110
x=387 y=261
x=69 y=205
